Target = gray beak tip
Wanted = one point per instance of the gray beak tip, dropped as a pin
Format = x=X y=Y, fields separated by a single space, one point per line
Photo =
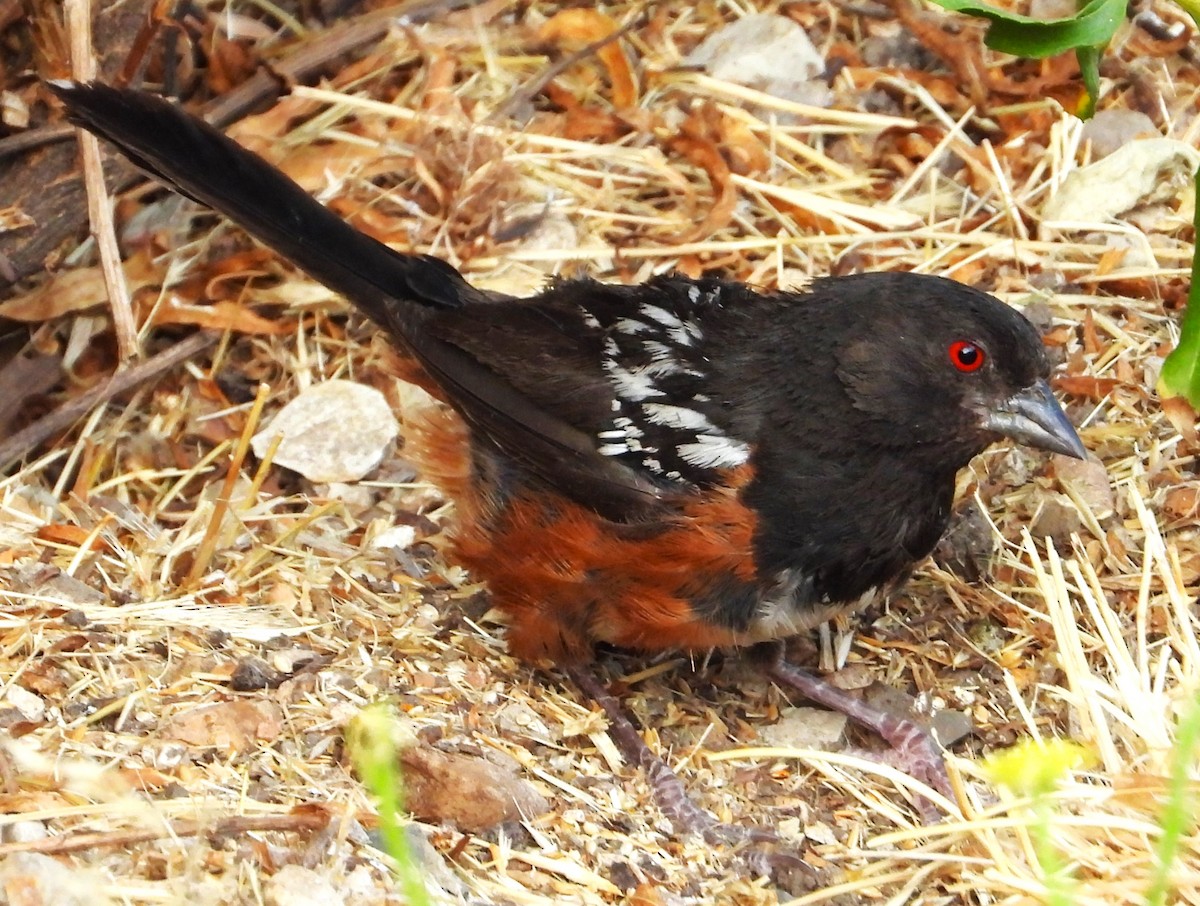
x=1033 y=416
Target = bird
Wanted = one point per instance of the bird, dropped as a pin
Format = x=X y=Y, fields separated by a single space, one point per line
x=685 y=464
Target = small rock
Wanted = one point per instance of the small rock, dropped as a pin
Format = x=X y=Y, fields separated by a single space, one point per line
x=334 y=431
x=398 y=537
x=295 y=885
x=806 y=728
x=1114 y=128
x=32 y=707
x=947 y=725
x=1087 y=479
x=518 y=719
x=35 y=879
x=1139 y=173
x=252 y=674
x=767 y=52
x=164 y=757
x=23 y=832
x=1057 y=518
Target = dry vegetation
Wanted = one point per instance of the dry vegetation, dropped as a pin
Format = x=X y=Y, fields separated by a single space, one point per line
x=141 y=575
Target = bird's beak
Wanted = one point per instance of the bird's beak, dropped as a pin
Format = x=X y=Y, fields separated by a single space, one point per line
x=1033 y=416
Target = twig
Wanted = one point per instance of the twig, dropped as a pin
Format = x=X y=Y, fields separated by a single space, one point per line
x=298 y=820
x=83 y=68
x=525 y=93
x=208 y=544
x=26 y=439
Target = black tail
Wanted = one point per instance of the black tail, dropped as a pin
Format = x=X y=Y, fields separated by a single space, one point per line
x=205 y=165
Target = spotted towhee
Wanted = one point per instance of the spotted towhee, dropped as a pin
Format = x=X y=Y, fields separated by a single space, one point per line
x=681 y=464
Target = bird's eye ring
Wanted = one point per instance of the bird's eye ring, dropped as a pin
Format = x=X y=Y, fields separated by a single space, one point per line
x=966 y=356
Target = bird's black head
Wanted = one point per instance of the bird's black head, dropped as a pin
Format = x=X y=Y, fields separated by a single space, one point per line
x=932 y=362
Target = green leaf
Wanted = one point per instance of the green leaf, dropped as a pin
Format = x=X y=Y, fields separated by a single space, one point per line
x=1089 y=68
x=1179 y=812
x=1023 y=36
x=1180 y=374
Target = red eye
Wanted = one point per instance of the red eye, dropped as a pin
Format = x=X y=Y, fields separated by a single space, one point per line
x=966 y=356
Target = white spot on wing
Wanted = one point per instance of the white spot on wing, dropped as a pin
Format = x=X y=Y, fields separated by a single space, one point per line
x=684 y=335
x=633 y=386
x=677 y=417
x=712 y=451
x=661 y=315
x=631 y=326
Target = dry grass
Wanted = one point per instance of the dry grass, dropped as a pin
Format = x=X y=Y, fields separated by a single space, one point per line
x=139 y=571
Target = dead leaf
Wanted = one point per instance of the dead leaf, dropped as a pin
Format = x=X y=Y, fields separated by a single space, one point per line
x=468 y=792
x=1181 y=416
x=695 y=142
x=233 y=726
x=72 y=535
x=226 y=315
x=576 y=28
x=68 y=291
x=1086 y=386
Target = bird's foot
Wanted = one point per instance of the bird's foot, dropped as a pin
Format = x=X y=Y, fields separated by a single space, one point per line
x=757 y=847
x=914 y=750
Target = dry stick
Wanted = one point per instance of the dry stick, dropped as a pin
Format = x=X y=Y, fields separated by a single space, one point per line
x=83 y=68
x=525 y=93
x=208 y=544
x=314 y=56
x=298 y=820
x=63 y=417
x=298 y=66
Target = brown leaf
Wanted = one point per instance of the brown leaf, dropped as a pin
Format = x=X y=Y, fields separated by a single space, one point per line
x=704 y=154
x=576 y=28
x=233 y=726
x=219 y=316
x=470 y=793
x=66 y=292
x=1085 y=385
x=73 y=535
x=1181 y=416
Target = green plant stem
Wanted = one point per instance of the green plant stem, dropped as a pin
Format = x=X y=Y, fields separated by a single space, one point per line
x=1059 y=884
x=1180 y=375
x=1178 y=812
x=372 y=743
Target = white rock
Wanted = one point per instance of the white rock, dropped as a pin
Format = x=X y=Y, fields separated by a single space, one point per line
x=1114 y=128
x=396 y=536
x=31 y=706
x=39 y=879
x=295 y=885
x=1140 y=173
x=806 y=728
x=764 y=51
x=335 y=431
x=23 y=832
